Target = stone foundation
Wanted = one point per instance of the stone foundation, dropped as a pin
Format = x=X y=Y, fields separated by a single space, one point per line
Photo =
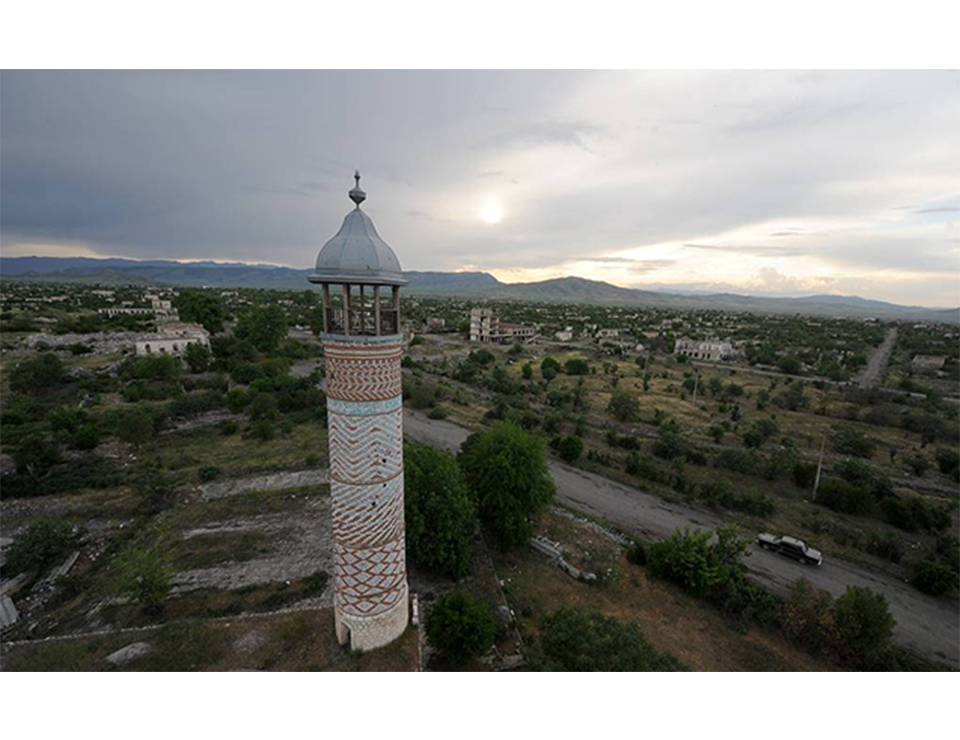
x=367 y=633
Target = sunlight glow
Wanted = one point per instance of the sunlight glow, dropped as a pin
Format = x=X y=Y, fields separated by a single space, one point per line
x=491 y=212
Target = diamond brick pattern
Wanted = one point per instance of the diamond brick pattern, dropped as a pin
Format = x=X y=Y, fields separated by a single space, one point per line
x=369 y=448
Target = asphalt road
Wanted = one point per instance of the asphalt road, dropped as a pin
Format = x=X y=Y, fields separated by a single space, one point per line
x=929 y=626
x=878 y=361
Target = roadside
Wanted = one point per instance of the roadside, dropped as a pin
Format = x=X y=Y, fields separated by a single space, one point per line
x=925 y=624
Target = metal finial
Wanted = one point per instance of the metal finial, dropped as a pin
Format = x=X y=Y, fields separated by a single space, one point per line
x=357 y=195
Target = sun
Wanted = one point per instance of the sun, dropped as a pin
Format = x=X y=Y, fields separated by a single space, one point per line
x=491 y=212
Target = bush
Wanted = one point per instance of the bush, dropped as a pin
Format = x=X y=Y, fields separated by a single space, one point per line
x=848 y=441
x=507 y=473
x=246 y=373
x=440 y=513
x=439 y=413
x=637 y=553
x=87 y=437
x=914 y=513
x=136 y=427
x=38 y=374
x=806 y=617
x=41 y=545
x=570 y=448
x=933 y=578
x=208 y=473
x=948 y=460
x=576 y=366
x=198 y=357
x=575 y=640
x=845 y=497
x=146 y=577
x=864 y=625
x=199 y=402
x=624 y=406
x=229 y=427
x=263 y=430
x=887 y=546
x=550 y=365
x=460 y=628
x=918 y=464
x=739 y=461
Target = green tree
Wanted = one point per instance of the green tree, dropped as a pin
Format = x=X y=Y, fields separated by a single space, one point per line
x=41 y=545
x=201 y=307
x=86 y=437
x=575 y=640
x=570 y=448
x=508 y=476
x=864 y=624
x=460 y=628
x=136 y=427
x=527 y=371
x=146 y=577
x=576 y=366
x=439 y=511
x=36 y=455
x=624 y=406
x=550 y=366
x=37 y=374
x=264 y=327
x=198 y=357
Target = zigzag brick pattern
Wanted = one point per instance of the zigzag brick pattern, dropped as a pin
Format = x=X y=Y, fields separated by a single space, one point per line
x=371 y=374
x=365 y=425
x=371 y=446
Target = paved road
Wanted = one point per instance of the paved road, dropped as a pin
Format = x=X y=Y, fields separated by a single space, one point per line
x=878 y=361
x=930 y=626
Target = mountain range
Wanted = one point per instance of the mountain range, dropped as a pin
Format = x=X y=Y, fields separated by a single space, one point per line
x=119 y=271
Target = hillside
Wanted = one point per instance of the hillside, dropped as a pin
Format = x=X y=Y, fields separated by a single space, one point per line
x=459 y=284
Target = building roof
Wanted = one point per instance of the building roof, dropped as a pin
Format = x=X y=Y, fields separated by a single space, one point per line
x=356 y=254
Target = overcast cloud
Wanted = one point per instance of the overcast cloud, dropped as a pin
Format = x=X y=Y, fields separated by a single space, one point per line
x=782 y=183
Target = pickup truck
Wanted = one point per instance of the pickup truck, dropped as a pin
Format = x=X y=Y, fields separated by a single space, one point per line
x=791 y=548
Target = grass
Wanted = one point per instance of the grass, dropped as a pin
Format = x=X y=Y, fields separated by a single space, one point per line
x=671 y=620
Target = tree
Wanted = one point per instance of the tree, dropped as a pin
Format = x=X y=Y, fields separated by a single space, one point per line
x=264 y=327
x=790 y=364
x=527 y=371
x=576 y=366
x=575 y=640
x=570 y=448
x=86 y=437
x=549 y=364
x=624 y=406
x=201 y=307
x=40 y=546
x=36 y=455
x=37 y=374
x=439 y=511
x=460 y=628
x=136 y=427
x=146 y=577
x=864 y=624
x=198 y=357
x=508 y=476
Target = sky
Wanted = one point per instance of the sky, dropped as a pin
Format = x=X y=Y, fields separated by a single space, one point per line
x=767 y=183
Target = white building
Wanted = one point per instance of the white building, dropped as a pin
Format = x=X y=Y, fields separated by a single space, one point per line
x=173 y=339
x=712 y=350
x=564 y=336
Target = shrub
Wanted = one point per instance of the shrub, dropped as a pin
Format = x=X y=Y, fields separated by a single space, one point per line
x=440 y=513
x=848 y=441
x=208 y=473
x=438 y=413
x=549 y=364
x=637 y=553
x=624 y=406
x=670 y=441
x=575 y=640
x=146 y=577
x=507 y=473
x=918 y=464
x=262 y=407
x=246 y=373
x=948 y=460
x=198 y=357
x=237 y=400
x=263 y=430
x=807 y=618
x=136 y=427
x=845 y=497
x=229 y=427
x=199 y=402
x=738 y=461
x=887 y=546
x=933 y=578
x=460 y=628
x=864 y=625
x=37 y=374
x=576 y=366
x=86 y=437
x=40 y=546
x=914 y=513
x=570 y=448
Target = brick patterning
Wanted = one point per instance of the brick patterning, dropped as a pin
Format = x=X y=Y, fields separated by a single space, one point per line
x=365 y=422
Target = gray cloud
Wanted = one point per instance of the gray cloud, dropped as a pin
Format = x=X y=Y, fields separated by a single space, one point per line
x=255 y=165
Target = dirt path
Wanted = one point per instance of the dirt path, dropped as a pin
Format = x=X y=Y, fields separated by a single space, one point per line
x=878 y=361
x=930 y=626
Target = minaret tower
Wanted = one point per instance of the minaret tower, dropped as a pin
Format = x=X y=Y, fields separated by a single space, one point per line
x=363 y=345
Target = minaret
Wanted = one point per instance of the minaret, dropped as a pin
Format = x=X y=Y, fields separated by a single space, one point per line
x=363 y=345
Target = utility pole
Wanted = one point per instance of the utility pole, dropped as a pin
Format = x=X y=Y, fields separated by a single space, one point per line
x=696 y=385
x=816 y=482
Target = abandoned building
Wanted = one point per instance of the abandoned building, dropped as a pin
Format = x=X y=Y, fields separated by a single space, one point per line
x=712 y=350
x=485 y=326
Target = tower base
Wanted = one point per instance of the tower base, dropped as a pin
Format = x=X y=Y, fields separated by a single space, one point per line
x=368 y=633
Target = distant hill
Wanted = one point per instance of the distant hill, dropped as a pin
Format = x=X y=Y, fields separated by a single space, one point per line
x=459 y=284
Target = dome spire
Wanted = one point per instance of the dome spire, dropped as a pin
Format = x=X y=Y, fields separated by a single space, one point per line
x=357 y=195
